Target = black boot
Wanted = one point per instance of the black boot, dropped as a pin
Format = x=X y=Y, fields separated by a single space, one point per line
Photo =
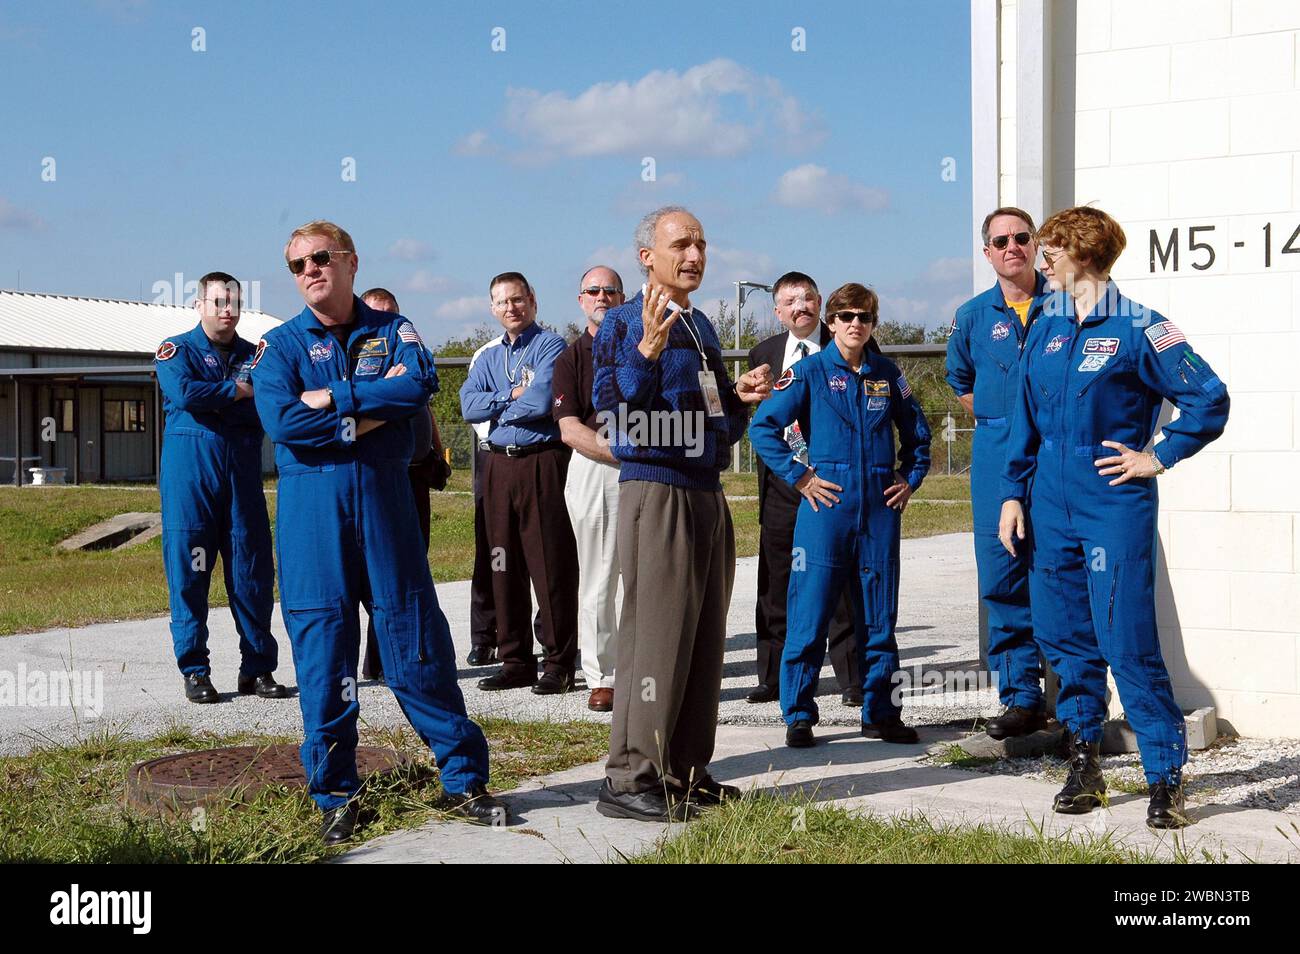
x=1085 y=788
x=1016 y=721
x=1168 y=807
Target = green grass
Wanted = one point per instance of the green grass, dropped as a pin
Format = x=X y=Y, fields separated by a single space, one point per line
x=42 y=587
x=67 y=804
x=765 y=829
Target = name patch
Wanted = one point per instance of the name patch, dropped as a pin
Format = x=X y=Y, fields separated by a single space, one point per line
x=372 y=347
x=1101 y=346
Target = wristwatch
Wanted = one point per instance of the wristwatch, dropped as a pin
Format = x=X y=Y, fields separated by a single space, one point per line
x=330 y=392
x=1160 y=468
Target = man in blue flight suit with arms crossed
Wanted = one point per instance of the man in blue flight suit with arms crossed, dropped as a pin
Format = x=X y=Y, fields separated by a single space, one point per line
x=336 y=387
x=985 y=362
x=211 y=487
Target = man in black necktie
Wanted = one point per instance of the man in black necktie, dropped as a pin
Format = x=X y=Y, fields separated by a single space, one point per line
x=798 y=307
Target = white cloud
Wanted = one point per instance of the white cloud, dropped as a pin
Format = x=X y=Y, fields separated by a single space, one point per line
x=410 y=250
x=425 y=281
x=949 y=270
x=465 y=308
x=812 y=186
x=23 y=220
x=718 y=108
x=476 y=143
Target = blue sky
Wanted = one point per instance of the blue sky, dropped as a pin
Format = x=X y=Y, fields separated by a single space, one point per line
x=470 y=161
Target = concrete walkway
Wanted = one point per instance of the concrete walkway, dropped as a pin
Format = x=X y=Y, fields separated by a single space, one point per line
x=142 y=696
x=556 y=819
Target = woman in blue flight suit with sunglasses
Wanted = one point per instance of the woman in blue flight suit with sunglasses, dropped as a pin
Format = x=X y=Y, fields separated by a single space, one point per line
x=847 y=401
x=1098 y=370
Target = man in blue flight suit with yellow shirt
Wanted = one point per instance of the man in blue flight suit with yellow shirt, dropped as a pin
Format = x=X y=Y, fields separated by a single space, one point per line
x=984 y=366
x=211 y=488
x=847 y=401
x=336 y=387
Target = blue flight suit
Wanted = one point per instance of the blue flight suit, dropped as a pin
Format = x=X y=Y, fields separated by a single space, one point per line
x=212 y=502
x=347 y=532
x=848 y=420
x=986 y=351
x=1092 y=550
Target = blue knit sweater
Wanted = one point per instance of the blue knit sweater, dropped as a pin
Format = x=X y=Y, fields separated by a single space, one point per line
x=653 y=412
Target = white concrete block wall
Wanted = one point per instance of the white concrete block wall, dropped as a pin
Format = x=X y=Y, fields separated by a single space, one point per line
x=1187 y=113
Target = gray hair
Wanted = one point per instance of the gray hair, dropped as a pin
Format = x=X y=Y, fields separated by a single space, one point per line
x=617 y=277
x=645 y=231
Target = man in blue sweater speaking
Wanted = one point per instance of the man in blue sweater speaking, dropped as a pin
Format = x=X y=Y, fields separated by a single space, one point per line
x=670 y=414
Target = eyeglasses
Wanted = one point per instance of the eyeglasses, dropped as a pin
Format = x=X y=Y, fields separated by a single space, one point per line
x=1022 y=239
x=864 y=317
x=1051 y=259
x=220 y=304
x=517 y=302
x=319 y=259
x=595 y=290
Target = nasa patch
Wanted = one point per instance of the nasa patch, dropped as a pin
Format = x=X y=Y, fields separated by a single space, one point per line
x=1101 y=346
x=1093 y=362
x=321 y=351
x=166 y=351
x=785 y=380
x=1056 y=344
x=211 y=360
x=1001 y=331
x=838 y=382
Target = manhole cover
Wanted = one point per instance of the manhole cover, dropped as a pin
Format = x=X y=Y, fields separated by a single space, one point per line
x=180 y=782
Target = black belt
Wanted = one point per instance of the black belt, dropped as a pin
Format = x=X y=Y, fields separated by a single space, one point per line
x=516 y=450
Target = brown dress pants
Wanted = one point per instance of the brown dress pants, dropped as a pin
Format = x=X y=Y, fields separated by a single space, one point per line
x=678 y=555
x=531 y=538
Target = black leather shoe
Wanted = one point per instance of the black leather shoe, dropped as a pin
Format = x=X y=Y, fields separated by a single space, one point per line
x=264 y=686
x=709 y=791
x=340 y=823
x=482 y=656
x=1085 y=788
x=554 y=683
x=763 y=693
x=852 y=697
x=1168 y=808
x=799 y=735
x=198 y=688
x=649 y=806
x=476 y=805
x=508 y=679
x=891 y=730
x=1016 y=721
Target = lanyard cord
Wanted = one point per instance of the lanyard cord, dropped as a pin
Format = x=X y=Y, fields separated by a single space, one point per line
x=695 y=338
x=523 y=356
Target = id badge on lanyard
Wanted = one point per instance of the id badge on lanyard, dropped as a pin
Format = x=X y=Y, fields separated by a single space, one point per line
x=708 y=380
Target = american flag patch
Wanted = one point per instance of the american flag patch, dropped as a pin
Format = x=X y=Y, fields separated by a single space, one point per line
x=406 y=331
x=904 y=389
x=1164 y=335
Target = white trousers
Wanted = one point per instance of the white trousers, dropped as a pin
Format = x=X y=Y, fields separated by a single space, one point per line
x=591 y=495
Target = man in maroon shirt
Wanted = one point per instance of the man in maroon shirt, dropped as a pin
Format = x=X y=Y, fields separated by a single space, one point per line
x=591 y=490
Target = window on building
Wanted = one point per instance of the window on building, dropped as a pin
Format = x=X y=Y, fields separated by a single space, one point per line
x=123 y=416
x=65 y=415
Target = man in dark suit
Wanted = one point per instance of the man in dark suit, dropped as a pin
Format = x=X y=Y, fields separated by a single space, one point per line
x=798 y=307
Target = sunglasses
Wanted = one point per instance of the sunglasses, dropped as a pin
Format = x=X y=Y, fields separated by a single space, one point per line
x=1050 y=259
x=320 y=259
x=864 y=317
x=595 y=290
x=1021 y=238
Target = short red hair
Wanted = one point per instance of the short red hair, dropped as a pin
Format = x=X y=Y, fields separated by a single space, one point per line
x=1085 y=233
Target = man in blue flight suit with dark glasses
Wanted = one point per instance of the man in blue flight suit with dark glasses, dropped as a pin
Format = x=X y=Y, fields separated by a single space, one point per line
x=211 y=488
x=986 y=359
x=336 y=387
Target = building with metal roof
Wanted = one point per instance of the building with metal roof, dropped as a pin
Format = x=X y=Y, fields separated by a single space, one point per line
x=77 y=390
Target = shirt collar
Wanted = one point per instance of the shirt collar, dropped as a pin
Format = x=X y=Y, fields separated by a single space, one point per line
x=525 y=336
x=813 y=341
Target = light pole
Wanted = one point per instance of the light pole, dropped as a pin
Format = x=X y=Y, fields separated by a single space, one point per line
x=742 y=292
